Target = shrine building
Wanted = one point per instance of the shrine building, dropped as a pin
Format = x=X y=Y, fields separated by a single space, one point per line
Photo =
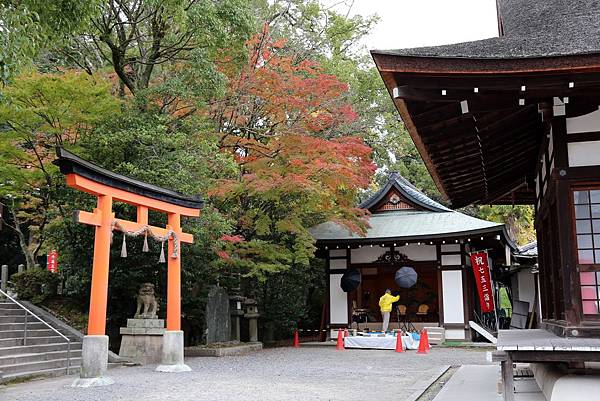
x=515 y=119
x=407 y=228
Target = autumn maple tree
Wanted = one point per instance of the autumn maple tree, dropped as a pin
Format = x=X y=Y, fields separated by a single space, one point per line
x=284 y=121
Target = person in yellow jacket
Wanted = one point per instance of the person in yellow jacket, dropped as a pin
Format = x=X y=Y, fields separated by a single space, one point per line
x=385 y=304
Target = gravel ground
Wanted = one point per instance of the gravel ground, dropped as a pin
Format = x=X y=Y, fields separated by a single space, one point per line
x=308 y=373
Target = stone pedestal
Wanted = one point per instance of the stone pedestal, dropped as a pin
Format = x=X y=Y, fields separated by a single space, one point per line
x=94 y=362
x=172 y=353
x=142 y=340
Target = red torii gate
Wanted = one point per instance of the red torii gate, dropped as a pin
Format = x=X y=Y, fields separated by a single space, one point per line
x=108 y=187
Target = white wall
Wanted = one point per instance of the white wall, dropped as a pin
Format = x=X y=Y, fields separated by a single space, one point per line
x=337 y=263
x=454 y=334
x=584 y=153
x=450 y=248
x=451 y=260
x=337 y=252
x=419 y=252
x=586 y=123
x=338 y=301
x=367 y=254
x=526 y=285
x=452 y=288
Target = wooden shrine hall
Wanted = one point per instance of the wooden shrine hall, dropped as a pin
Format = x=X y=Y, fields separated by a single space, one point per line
x=407 y=228
x=515 y=119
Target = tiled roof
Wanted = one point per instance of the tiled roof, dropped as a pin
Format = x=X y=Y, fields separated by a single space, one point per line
x=410 y=192
x=529 y=249
x=410 y=224
x=435 y=220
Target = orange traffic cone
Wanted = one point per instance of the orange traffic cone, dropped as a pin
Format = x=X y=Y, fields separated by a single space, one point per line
x=340 y=341
x=296 y=340
x=345 y=333
x=423 y=343
x=399 y=341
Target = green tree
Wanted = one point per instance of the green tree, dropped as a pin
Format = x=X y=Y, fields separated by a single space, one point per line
x=518 y=219
x=27 y=26
x=39 y=113
x=150 y=40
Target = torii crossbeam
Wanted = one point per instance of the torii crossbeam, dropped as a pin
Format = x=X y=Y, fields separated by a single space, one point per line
x=107 y=187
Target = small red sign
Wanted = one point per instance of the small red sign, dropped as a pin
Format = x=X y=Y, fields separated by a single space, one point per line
x=479 y=262
x=52 y=261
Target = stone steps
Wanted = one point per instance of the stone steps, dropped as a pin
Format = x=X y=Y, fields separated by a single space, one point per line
x=39 y=373
x=11 y=311
x=30 y=333
x=13 y=342
x=45 y=353
x=16 y=319
x=23 y=349
x=9 y=305
x=16 y=359
x=21 y=326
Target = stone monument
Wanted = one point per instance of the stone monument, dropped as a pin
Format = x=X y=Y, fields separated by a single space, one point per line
x=218 y=321
x=142 y=339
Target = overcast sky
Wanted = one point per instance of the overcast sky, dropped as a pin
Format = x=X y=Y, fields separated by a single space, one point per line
x=415 y=23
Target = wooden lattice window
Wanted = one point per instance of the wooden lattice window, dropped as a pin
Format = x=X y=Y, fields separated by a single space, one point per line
x=587 y=226
x=587 y=229
x=590 y=292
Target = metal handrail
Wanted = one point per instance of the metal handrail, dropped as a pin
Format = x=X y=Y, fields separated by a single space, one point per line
x=38 y=318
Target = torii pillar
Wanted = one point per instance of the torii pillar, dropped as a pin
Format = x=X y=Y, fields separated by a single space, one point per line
x=109 y=187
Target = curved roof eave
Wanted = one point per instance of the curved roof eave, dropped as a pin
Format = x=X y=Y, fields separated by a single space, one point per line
x=500 y=229
x=70 y=163
x=407 y=190
x=393 y=61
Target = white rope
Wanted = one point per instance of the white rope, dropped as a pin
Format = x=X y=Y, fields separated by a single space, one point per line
x=145 y=230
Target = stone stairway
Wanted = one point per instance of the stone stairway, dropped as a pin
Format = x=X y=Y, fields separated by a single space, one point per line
x=43 y=353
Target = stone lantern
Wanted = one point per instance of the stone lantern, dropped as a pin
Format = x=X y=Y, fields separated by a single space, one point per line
x=236 y=311
x=252 y=315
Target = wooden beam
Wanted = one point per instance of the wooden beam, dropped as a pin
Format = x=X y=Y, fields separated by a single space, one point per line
x=93 y=219
x=497 y=81
x=95 y=188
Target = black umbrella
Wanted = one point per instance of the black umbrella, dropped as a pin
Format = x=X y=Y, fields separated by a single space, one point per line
x=350 y=280
x=406 y=277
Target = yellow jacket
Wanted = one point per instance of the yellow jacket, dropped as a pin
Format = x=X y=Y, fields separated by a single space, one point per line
x=386 y=301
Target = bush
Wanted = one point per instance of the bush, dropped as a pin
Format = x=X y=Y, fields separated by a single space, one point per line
x=35 y=285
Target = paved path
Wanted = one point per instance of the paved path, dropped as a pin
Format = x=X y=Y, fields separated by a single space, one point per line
x=482 y=384
x=317 y=373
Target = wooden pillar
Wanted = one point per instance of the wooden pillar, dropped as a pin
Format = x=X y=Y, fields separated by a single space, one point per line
x=174 y=277
x=508 y=379
x=99 y=290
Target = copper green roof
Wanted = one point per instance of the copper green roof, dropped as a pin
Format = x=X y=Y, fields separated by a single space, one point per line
x=430 y=220
x=408 y=190
x=410 y=225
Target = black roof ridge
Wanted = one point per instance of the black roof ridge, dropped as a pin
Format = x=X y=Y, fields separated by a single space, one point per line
x=71 y=163
x=405 y=187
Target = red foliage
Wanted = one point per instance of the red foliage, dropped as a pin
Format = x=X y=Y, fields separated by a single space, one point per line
x=234 y=239
x=283 y=119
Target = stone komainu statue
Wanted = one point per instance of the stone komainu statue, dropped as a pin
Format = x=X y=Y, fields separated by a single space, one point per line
x=146 y=299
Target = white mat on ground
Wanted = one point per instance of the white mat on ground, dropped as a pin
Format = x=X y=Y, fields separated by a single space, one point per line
x=387 y=342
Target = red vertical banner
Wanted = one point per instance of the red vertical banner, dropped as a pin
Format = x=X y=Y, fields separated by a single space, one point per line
x=481 y=270
x=52 y=261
